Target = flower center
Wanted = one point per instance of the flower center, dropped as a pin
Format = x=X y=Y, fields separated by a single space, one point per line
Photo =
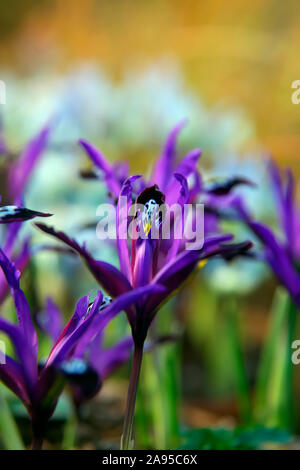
x=149 y=204
x=150 y=215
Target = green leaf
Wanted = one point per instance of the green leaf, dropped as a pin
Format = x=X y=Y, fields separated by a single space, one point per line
x=239 y=438
x=9 y=432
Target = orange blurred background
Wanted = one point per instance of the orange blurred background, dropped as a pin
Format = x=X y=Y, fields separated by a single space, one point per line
x=242 y=53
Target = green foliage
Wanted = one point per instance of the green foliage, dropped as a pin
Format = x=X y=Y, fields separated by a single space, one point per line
x=239 y=438
x=274 y=402
x=9 y=432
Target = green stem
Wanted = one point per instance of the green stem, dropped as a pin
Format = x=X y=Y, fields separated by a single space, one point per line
x=238 y=363
x=37 y=443
x=10 y=434
x=126 y=440
x=275 y=383
x=38 y=429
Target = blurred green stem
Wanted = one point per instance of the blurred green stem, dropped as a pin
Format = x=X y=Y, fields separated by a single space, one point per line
x=274 y=389
x=69 y=435
x=126 y=440
x=237 y=359
x=9 y=431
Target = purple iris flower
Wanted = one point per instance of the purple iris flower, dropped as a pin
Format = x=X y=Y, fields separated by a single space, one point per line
x=150 y=262
x=280 y=250
x=39 y=385
x=166 y=165
x=18 y=175
x=20 y=171
x=103 y=360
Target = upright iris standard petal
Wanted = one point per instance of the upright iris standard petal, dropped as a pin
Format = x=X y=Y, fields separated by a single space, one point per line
x=166 y=162
x=100 y=162
x=284 y=192
x=20 y=171
x=124 y=203
x=187 y=168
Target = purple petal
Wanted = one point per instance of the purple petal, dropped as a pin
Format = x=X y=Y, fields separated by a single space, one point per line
x=80 y=311
x=100 y=162
x=166 y=162
x=122 y=225
x=96 y=321
x=278 y=259
x=175 y=273
x=106 y=361
x=20 y=262
x=109 y=277
x=11 y=375
x=24 y=352
x=289 y=212
x=182 y=199
x=142 y=272
x=51 y=320
x=11 y=236
x=21 y=304
x=285 y=201
x=186 y=167
x=21 y=171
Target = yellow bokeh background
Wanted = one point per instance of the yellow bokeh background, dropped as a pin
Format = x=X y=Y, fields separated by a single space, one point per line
x=242 y=53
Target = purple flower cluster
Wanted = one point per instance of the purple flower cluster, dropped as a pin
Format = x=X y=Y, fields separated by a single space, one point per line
x=150 y=271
